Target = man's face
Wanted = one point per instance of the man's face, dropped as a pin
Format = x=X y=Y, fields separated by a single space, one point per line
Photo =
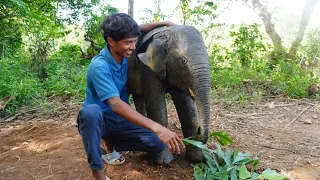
x=124 y=47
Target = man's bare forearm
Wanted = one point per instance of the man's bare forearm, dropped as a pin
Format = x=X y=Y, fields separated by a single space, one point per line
x=149 y=26
x=169 y=138
x=123 y=109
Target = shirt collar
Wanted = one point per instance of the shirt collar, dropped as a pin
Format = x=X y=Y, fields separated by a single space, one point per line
x=106 y=53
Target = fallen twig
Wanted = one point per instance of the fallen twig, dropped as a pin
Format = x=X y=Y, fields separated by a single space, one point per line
x=273 y=105
x=28 y=130
x=32 y=175
x=247 y=116
x=12 y=117
x=304 y=110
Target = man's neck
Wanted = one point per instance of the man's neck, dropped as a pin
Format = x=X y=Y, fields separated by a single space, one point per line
x=115 y=56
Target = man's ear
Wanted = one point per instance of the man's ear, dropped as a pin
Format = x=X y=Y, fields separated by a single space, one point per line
x=111 y=42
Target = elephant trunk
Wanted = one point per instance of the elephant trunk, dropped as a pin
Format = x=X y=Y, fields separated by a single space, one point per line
x=202 y=100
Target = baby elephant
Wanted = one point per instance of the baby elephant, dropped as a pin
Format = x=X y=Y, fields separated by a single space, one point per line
x=173 y=60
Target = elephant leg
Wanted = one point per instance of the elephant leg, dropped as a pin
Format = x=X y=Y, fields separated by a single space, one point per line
x=187 y=113
x=140 y=105
x=154 y=95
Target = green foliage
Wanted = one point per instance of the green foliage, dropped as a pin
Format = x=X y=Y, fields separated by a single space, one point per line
x=157 y=15
x=289 y=78
x=243 y=72
x=310 y=50
x=18 y=81
x=92 y=24
x=247 y=44
x=67 y=73
x=225 y=165
x=200 y=14
x=222 y=137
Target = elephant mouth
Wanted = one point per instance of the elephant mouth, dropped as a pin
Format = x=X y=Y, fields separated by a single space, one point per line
x=191 y=93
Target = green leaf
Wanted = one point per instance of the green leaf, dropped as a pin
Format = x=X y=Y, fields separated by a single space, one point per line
x=222 y=137
x=225 y=176
x=244 y=173
x=241 y=158
x=227 y=157
x=273 y=175
x=233 y=174
x=219 y=152
x=254 y=164
x=255 y=176
x=195 y=143
x=199 y=171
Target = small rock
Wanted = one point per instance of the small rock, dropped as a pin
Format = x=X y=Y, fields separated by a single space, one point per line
x=314 y=117
x=175 y=177
x=307 y=121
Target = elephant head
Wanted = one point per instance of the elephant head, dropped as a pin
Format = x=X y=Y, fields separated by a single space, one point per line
x=178 y=54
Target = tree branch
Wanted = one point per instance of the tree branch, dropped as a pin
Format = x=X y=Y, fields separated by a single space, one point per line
x=262 y=11
x=306 y=14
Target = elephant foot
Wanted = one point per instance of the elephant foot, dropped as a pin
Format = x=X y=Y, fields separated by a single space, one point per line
x=194 y=154
x=163 y=157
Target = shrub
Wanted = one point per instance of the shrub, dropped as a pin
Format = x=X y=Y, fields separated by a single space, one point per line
x=18 y=81
x=67 y=73
x=289 y=78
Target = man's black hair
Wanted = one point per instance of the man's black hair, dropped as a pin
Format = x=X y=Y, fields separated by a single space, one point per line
x=119 y=26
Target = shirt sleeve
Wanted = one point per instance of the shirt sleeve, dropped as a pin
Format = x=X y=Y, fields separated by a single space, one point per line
x=103 y=83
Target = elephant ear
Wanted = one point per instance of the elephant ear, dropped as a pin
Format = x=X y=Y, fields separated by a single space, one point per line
x=155 y=57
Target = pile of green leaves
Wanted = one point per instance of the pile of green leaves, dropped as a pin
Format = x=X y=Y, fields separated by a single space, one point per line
x=225 y=165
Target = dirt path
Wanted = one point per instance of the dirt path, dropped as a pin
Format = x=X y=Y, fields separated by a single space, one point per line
x=284 y=134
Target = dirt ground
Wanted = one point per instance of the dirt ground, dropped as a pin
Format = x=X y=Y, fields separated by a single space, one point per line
x=283 y=133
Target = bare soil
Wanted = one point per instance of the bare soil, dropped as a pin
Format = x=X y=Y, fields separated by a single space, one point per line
x=283 y=133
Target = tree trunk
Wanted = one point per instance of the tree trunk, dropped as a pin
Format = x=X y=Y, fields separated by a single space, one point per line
x=306 y=14
x=130 y=7
x=262 y=11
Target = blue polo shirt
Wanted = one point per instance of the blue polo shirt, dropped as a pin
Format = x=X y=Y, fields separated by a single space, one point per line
x=106 y=79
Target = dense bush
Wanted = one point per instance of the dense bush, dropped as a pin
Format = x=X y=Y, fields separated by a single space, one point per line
x=67 y=73
x=18 y=81
x=242 y=71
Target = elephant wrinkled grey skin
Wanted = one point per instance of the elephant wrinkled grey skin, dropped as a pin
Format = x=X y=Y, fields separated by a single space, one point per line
x=173 y=60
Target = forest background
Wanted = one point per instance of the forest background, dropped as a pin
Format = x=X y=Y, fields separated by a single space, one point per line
x=256 y=48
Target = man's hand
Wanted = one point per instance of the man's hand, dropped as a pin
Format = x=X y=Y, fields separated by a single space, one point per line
x=149 y=26
x=168 y=23
x=170 y=139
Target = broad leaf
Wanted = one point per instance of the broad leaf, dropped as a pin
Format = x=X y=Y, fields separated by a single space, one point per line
x=241 y=158
x=222 y=137
x=273 y=175
x=244 y=173
x=195 y=143
x=225 y=176
x=227 y=157
x=234 y=174
x=199 y=171
x=254 y=164
x=219 y=152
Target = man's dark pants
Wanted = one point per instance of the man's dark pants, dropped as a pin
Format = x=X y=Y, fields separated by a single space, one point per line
x=95 y=124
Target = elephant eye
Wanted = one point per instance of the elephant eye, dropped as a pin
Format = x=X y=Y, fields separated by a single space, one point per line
x=183 y=60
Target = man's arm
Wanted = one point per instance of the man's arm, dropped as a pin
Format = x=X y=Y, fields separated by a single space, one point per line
x=149 y=26
x=172 y=141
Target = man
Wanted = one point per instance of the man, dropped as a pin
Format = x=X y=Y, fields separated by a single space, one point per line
x=106 y=113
